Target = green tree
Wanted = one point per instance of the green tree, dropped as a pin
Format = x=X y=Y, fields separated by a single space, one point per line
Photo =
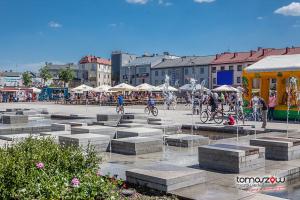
x=45 y=74
x=66 y=75
x=26 y=76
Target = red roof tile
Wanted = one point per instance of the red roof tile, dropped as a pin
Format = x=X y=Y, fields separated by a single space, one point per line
x=253 y=56
x=94 y=59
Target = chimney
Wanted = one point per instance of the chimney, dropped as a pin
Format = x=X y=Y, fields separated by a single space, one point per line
x=235 y=54
x=287 y=50
x=264 y=52
x=252 y=53
x=259 y=48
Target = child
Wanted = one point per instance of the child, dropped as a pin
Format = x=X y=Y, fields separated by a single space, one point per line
x=230 y=121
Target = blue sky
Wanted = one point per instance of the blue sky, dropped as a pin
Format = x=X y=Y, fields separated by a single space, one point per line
x=35 y=31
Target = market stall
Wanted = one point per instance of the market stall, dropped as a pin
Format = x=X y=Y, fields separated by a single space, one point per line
x=279 y=75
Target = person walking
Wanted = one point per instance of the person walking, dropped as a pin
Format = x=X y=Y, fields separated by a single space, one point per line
x=272 y=105
x=264 y=111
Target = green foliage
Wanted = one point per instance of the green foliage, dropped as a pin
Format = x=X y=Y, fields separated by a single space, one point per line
x=45 y=74
x=26 y=76
x=245 y=81
x=66 y=75
x=21 y=178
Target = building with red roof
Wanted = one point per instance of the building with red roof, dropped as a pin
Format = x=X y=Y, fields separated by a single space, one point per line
x=227 y=67
x=95 y=70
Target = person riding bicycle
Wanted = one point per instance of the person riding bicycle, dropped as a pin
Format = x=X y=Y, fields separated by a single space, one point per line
x=151 y=102
x=212 y=102
x=120 y=100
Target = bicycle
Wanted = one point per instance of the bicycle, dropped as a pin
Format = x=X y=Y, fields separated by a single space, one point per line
x=151 y=109
x=120 y=109
x=218 y=117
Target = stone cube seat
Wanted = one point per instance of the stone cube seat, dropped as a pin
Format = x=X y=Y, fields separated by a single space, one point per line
x=60 y=127
x=131 y=125
x=186 y=140
x=14 y=119
x=139 y=131
x=165 y=177
x=55 y=134
x=279 y=148
x=100 y=142
x=231 y=158
x=136 y=145
x=108 y=117
x=17 y=137
x=97 y=129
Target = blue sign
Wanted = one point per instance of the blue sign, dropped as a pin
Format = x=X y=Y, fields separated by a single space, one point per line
x=225 y=77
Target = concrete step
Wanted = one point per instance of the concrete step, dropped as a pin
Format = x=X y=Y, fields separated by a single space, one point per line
x=164 y=177
x=136 y=145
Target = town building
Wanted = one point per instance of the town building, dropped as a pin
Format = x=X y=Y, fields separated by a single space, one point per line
x=138 y=71
x=54 y=70
x=227 y=67
x=95 y=71
x=119 y=59
x=181 y=70
x=11 y=78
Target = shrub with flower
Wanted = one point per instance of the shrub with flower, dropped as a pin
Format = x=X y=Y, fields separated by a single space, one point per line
x=41 y=169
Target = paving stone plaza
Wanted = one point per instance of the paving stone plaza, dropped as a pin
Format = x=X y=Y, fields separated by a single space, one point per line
x=163 y=153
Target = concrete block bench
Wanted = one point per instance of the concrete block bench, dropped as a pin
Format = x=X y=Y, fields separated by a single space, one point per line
x=136 y=145
x=164 y=177
x=100 y=142
x=279 y=148
x=186 y=140
x=231 y=158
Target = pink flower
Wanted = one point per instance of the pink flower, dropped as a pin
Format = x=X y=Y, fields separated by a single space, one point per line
x=98 y=173
x=40 y=165
x=75 y=182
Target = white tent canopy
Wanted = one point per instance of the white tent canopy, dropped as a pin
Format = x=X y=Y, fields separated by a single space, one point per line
x=35 y=90
x=188 y=87
x=102 y=88
x=162 y=87
x=225 y=88
x=123 y=87
x=82 y=88
x=146 y=87
x=276 y=63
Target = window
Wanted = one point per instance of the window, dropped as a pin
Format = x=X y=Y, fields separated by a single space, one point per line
x=107 y=75
x=239 y=67
x=238 y=79
x=186 y=71
x=163 y=72
x=222 y=68
x=142 y=70
x=169 y=72
x=214 y=81
x=231 y=68
x=156 y=82
x=156 y=73
x=213 y=69
x=202 y=70
x=193 y=70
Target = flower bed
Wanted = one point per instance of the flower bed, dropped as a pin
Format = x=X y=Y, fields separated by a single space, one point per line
x=41 y=169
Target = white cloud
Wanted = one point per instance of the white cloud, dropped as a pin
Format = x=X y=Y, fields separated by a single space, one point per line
x=260 y=18
x=292 y=9
x=165 y=3
x=54 y=24
x=204 y=1
x=137 y=1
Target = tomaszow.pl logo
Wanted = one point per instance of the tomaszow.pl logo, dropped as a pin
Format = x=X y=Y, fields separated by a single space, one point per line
x=259 y=181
